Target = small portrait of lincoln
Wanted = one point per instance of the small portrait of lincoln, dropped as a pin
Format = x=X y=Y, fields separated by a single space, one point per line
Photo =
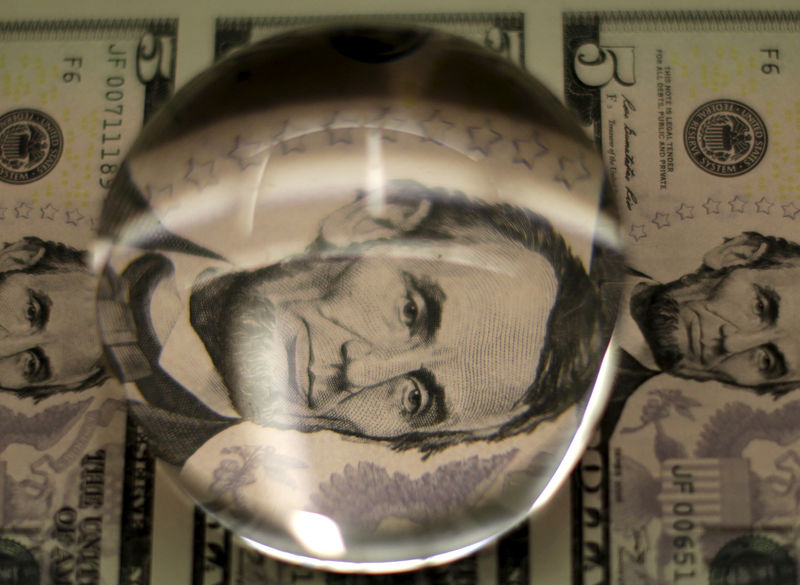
x=437 y=320
x=48 y=334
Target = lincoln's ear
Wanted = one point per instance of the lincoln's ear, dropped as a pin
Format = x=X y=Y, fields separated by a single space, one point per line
x=21 y=254
x=377 y=218
x=743 y=249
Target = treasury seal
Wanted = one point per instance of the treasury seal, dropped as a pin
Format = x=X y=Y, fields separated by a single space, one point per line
x=752 y=558
x=30 y=146
x=17 y=564
x=725 y=138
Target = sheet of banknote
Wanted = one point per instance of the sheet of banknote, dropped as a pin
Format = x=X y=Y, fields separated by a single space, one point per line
x=698 y=118
x=686 y=482
x=75 y=477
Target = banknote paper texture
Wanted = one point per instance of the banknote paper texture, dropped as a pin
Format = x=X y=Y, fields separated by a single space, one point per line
x=75 y=495
x=694 y=477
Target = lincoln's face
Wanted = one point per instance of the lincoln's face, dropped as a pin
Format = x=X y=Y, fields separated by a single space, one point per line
x=402 y=337
x=740 y=325
x=47 y=330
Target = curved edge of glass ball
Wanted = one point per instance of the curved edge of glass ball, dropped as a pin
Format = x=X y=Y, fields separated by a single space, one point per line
x=339 y=62
x=458 y=72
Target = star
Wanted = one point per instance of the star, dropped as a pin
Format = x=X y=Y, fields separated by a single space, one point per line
x=73 y=216
x=291 y=139
x=339 y=135
x=387 y=118
x=571 y=171
x=482 y=137
x=737 y=204
x=249 y=153
x=637 y=232
x=340 y=128
x=661 y=219
x=23 y=210
x=348 y=118
x=435 y=127
x=764 y=205
x=49 y=212
x=389 y=122
x=790 y=210
x=711 y=206
x=685 y=211
x=201 y=174
x=293 y=145
x=527 y=150
x=158 y=196
x=389 y=135
x=379 y=120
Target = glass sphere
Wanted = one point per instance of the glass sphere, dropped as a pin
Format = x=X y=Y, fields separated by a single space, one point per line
x=354 y=287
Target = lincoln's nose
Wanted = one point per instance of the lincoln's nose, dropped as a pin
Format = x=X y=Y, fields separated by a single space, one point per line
x=717 y=332
x=738 y=341
x=365 y=365
x=354 y=350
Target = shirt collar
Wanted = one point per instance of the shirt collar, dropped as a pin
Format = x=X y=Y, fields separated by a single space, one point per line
x=629 y=336
x=183 y=354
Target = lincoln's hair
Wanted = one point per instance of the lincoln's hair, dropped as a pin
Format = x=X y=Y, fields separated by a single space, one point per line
x=57 y=257
x=780 y=251
x=576 y=330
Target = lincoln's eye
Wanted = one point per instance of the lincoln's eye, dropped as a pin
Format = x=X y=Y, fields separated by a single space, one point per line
x=764 y=360
x=29 y=364
x=409 y=312
x=414 y=397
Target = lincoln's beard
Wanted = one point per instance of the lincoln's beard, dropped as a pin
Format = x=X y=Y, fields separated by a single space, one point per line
x=656 y=313
x=249 y=337
x=237 y=323
x=238 y=331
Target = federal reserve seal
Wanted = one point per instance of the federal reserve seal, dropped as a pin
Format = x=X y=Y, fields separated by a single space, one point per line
x=753 y=558
x=17 y=564
x=30 y=146
x=725 y=138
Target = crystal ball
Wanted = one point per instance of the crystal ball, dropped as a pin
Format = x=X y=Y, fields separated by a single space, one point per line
x=354 y=287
